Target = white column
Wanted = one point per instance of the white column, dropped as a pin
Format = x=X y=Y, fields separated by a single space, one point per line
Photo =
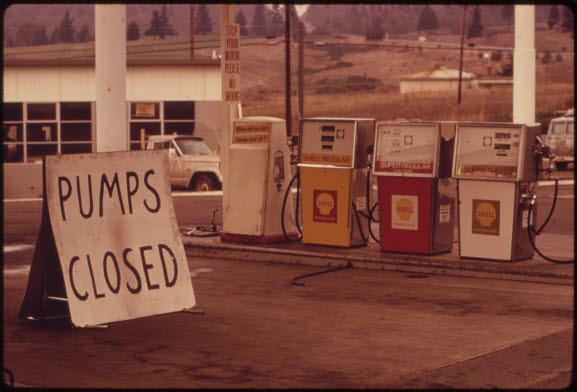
x=110 y=54
x=524 y=65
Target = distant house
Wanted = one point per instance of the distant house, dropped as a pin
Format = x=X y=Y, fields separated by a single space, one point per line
x=437 y=79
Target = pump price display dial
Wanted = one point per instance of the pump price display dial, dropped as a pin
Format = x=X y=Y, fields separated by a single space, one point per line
x=487 y=151
x=406 y=149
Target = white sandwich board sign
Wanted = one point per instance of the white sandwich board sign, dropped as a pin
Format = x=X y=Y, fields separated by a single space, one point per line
x=109 y=242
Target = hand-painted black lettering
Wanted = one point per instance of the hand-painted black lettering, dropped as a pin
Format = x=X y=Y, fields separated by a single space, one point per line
x=138 y=287
x=131 y=191
x=171 y=282
x=96 y=293
x=151 y=188
x=110 y=256
x=79 y=191
x=63 y=197
x=147 y=267
x=110 y=187
x=81 y=297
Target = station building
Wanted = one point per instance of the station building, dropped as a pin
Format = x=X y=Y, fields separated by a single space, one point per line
x=49 y=102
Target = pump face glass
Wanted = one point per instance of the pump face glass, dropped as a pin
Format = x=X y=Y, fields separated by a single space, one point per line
x=488 y=151
x=403 y=149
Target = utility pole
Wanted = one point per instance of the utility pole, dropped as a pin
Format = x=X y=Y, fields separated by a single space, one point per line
x=301 y=69
x=288 y=70
x=191 y=31
x=461 y=55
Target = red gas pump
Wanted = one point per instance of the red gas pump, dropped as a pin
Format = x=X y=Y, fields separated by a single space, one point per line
x=413 y=161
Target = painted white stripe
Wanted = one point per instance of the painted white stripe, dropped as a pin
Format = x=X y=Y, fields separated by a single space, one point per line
x=23 y=270
x=200 y=270
x=561 y=182
x=17 y=248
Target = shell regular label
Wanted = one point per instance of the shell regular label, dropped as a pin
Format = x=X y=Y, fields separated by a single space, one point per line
x=404 y=212
x=486 y=217
x=324 y=206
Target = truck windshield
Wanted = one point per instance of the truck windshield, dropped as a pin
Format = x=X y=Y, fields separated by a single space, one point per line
x=193 y=147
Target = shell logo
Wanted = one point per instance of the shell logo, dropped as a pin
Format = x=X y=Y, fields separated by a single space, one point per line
x=486 y=213
x=404 y=208
x=325 y=203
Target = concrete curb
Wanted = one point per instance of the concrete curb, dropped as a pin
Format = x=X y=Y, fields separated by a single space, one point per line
x=401 y=263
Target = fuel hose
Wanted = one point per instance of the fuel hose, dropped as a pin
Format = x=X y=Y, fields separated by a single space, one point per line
x=340 y=267
x=533 y=233
x=282 y=223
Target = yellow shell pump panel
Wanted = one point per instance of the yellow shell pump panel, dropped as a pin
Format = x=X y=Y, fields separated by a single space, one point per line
x=333 y=173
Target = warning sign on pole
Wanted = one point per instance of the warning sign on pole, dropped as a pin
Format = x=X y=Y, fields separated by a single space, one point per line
x=109 y=243
x=230 y=62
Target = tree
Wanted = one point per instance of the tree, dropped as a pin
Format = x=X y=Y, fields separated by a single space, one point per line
x=83 y=34
x=375 y=32
x=203 y=23
x=241 y=20
x=277 y=21
x=132 y=32
x=427 y=19
x=154 y=29
x=66 y=32
x=567 y=24
x=165 y=27
x=553 y=18
x=258 y=20
x=508 y=12
x=294 y=18
x=476 y=28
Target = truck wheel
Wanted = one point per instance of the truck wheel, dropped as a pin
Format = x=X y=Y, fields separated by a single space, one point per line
x=561 y=165
x=203 y=183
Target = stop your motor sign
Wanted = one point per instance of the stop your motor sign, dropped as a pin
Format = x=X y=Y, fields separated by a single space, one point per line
x=116 y=236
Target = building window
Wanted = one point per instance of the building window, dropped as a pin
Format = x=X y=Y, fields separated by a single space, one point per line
x=33 y=130
x=159 y=118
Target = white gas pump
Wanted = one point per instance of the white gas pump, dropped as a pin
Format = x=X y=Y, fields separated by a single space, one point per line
x=496 y=172
x=255 y=182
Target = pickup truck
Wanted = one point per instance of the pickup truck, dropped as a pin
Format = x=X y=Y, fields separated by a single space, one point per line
x=192 y=164
x=561 y=138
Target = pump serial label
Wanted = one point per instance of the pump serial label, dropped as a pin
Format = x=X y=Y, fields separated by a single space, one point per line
x=324 y=206
x=333 y=159
x=251 y=133
x=486 y=217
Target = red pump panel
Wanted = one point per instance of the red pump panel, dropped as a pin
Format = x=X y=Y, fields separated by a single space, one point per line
x=405 y=214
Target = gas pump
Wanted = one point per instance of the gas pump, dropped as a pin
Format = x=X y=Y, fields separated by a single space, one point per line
x=253 y=189
x=496 y=171
x=413 y=161
x=333 y=166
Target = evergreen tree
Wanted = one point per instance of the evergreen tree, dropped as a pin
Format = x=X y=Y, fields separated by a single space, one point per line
x=154 y=29
x=476 y=28
x=241 y=20
x=132 y=32
x=259 y=21
x=427 y=19
x=294 y=18
x=66 y=30
x=508 y=12
x=553 y=18
x=277 y=21
x=567 y=24
x=83 y=34
x=203 y=23
x=376 y=30
x=165 y=27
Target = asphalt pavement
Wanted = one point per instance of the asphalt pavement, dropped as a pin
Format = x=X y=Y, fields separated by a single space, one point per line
x=353 y=328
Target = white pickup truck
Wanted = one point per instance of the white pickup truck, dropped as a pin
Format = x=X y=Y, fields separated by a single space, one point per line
x=561 y=138
x=192 y=164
